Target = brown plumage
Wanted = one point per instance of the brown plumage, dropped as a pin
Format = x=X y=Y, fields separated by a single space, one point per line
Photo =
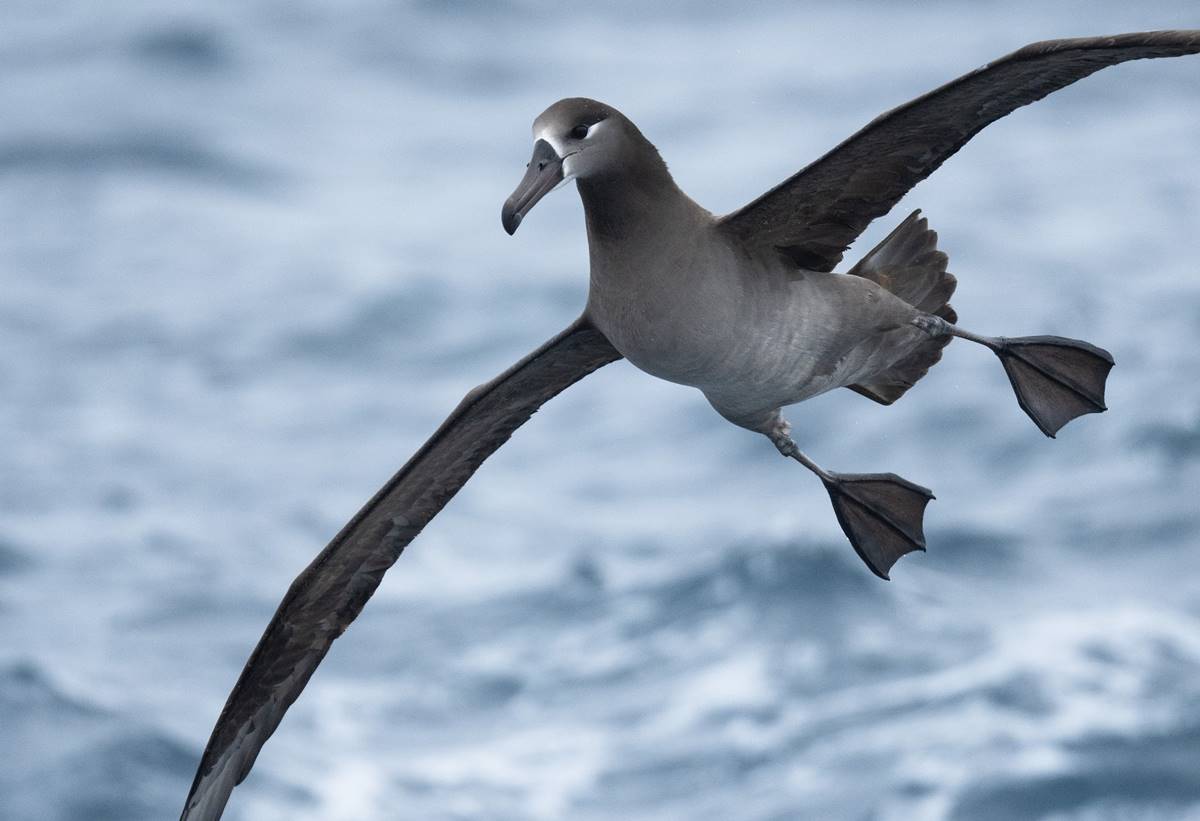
x=810 y=219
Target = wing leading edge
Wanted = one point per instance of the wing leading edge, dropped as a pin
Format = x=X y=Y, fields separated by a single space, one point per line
x=333 y=589
x=814 y=215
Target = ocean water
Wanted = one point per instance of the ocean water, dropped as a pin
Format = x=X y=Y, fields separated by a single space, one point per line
x=250 y=256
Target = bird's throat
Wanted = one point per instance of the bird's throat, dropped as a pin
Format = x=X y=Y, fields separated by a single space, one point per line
x=632 y=206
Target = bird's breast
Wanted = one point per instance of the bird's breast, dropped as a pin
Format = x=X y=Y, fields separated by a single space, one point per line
x=674 y=315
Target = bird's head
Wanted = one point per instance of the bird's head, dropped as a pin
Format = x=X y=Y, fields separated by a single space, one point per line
x=575 y=138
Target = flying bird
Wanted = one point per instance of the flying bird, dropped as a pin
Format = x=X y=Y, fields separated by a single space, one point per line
x=746 y=307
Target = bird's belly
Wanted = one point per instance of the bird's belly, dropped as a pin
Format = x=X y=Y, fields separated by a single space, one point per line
x=831 y=331
x=781 y=358
x=752 y=344
x=778 y=366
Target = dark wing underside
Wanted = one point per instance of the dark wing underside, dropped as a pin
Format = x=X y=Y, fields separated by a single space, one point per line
x=813 y=216
x=331 y=591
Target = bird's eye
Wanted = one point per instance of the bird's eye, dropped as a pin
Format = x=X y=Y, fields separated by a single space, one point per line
x=579 y=132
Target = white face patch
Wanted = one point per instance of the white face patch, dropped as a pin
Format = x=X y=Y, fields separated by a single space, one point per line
x=556 y=140
x=571 y=159
x=569 y=170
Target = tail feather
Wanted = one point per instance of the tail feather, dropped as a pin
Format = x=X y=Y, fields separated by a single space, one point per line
x=908 y=263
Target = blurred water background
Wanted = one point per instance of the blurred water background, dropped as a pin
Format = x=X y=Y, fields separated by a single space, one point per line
x=250 y=256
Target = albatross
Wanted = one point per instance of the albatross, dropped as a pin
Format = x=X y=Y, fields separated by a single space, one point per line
x=745 y=307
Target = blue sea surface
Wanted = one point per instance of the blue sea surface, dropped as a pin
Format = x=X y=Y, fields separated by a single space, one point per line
x=250 y=256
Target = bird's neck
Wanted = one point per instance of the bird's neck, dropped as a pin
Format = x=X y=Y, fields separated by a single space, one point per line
x=639 y=200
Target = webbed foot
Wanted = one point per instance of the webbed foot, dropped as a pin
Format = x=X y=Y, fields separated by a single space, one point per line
x=881 y=513
x=1055 y=379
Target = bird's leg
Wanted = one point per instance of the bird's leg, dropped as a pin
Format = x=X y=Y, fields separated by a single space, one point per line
x=880 y=513
x=1055 y=379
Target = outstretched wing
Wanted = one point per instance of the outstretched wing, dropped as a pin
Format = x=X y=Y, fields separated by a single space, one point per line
x=331 y=591
x=813 y=216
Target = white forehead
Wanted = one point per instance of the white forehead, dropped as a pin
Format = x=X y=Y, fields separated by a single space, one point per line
x=547 y=133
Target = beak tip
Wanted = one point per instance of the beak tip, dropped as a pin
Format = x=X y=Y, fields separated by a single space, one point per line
x=510 y=220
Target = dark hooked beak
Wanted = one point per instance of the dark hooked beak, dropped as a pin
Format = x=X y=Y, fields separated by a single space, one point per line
x=543 y=173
